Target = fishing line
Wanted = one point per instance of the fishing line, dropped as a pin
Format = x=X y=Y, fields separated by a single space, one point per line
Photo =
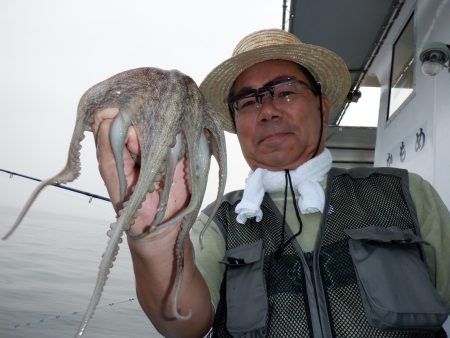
x=64 y=315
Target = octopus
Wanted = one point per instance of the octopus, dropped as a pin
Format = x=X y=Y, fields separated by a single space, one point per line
x=173 y=122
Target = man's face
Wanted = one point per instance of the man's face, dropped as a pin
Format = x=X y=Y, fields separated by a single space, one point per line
x=279 y=138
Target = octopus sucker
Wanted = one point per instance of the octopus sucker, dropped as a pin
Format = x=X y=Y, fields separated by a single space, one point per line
x=174 y=123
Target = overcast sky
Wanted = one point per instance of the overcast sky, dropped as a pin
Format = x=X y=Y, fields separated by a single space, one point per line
x=53 y=50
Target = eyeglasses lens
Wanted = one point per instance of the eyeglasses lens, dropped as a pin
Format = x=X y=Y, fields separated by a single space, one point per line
x=280 y=93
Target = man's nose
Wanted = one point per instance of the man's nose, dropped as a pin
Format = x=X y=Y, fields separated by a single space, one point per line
x=268 y=110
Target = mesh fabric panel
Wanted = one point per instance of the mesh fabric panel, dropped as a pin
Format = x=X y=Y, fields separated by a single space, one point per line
x=288 y=315
x=356 y=203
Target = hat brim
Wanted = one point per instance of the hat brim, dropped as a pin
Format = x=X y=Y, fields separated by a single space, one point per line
x=326 y=67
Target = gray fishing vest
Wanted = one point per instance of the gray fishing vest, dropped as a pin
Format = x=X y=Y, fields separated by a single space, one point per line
x=365 y=278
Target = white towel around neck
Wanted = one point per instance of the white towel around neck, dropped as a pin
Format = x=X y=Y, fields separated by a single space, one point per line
x=305 y=179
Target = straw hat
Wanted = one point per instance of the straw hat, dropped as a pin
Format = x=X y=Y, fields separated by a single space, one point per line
x=272 y=44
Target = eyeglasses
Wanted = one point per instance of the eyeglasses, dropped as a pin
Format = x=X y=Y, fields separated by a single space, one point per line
x=282 y=91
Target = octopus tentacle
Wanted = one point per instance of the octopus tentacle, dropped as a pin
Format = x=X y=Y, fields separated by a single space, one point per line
x=218 y=150
x=69 y=173
x=126 y=218
x=105 y=266
x=117 y=135
x=179 y=260
x=198 y=156
x=174 y=155
x=202 y=161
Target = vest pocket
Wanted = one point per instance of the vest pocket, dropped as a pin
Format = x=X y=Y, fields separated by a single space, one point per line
x=396 y=290
x=246 y=296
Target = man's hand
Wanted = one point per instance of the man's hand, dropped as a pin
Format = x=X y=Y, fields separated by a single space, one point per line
x=179 y=194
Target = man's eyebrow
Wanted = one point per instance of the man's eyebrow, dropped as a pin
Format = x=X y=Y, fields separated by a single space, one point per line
x=279 y=79
x=250 y=90
x=244 y=91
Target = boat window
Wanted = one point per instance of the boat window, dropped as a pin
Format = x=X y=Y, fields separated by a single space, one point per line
x=402 y=74
x=364 y=113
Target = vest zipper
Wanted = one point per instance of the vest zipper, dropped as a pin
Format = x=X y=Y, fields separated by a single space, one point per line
x=313 y=301
x=309 y=260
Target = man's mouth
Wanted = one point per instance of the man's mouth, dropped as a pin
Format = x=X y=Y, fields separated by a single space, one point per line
x=273 y=137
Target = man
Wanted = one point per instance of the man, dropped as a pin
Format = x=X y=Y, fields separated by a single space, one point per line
x=303 y=250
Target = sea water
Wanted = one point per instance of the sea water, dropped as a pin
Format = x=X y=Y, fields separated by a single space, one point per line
x=49 y=266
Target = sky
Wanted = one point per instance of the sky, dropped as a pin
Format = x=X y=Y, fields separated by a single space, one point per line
x=54 y=50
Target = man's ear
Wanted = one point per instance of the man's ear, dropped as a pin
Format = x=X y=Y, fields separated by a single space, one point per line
x=325 y=109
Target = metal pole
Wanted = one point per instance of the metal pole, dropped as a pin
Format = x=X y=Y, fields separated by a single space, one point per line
x=284 y=14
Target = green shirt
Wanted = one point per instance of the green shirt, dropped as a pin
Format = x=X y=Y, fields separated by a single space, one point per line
x=434 y=221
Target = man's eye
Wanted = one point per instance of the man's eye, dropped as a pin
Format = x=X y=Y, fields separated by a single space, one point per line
x=285 y=94
x=246 y=102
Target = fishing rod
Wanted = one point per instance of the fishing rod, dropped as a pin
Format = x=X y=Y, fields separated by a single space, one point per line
x=58 y=185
